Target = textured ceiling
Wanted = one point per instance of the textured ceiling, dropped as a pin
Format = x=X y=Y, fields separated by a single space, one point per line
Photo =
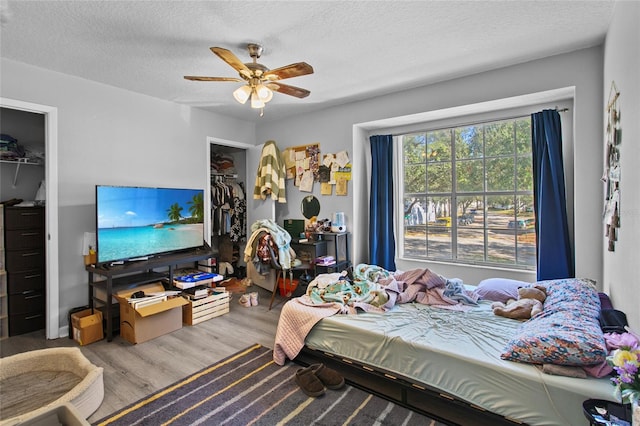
x=358 y=49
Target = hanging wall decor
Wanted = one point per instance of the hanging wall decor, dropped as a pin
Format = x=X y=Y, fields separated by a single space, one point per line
x=338 y=173
x=611 y=175
x=302 y=164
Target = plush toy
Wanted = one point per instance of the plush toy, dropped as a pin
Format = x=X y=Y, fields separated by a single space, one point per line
x=529 y=303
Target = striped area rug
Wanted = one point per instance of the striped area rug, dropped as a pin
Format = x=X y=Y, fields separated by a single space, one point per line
x=248 y=388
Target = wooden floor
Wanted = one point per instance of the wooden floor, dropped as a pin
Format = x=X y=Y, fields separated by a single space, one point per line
x=134 y=371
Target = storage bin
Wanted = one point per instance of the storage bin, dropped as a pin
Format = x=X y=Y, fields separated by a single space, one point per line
x=287 y=286
x=197 y=311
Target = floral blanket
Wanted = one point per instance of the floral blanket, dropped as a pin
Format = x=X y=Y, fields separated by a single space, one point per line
x=372 y=289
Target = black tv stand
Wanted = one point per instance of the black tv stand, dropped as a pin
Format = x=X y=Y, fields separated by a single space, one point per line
x=132 y=274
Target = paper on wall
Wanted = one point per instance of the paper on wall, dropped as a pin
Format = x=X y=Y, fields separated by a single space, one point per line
x=342 y=158
x=306 y=181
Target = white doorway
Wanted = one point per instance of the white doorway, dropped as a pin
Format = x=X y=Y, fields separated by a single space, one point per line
x=52 y=327
x=208 y=226
x=255 y=210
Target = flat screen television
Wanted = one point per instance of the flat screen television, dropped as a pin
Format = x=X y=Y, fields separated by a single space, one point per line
x=134 y=223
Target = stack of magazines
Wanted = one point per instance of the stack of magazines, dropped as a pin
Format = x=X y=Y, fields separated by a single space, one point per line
x=195 y=293
x=146 y=300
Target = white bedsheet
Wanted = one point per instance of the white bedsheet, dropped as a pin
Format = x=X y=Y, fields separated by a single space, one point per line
x=459 y=353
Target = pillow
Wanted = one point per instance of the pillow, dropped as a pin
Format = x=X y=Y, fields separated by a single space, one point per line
x=560 y=337
x=577 y=295
x=499 y=289
x=566 y=332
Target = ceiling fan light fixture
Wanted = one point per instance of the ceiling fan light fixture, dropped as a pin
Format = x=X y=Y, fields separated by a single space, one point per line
x=256 y=102
x=259 y=81
x=242 y=94
x=264 y=93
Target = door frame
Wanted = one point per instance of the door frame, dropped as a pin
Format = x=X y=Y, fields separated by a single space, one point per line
x=207 y=199
x=50 y=113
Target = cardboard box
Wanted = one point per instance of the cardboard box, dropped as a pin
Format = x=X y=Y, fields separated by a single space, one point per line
x=87 y=326
x=197 y=311
x=151 y=321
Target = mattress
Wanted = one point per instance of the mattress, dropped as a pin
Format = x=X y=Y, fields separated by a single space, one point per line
x=459 y=354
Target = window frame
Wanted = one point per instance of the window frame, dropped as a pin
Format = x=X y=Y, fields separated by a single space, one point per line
x=496 y=114
x=455 y=194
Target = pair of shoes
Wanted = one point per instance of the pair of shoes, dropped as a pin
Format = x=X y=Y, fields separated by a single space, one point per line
x=313 y=379
x=245 y=301
x=225 y=268
x=329 y=377
x=308 y=382
x=248 y=300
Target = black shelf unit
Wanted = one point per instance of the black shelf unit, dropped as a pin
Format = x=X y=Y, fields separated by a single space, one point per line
x=338 y=247
x=133 y=274
x=307 y=252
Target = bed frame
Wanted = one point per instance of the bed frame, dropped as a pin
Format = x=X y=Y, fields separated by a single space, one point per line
x=406 y=392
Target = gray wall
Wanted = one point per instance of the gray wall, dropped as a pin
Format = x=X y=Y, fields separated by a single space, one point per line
x=340 y=127
x=112 y=136
x=622 y=65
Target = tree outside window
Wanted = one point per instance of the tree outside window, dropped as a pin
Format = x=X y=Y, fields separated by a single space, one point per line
x=468 y=194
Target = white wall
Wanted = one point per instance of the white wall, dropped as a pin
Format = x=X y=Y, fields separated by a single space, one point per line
x=337 y=128
x=622 y=65
x=108 y=135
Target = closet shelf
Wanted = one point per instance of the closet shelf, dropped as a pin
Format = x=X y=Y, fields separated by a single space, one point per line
x=18 y=163
x=224 y=175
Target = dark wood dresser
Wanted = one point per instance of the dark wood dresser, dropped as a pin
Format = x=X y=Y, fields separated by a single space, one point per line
x=24 y=229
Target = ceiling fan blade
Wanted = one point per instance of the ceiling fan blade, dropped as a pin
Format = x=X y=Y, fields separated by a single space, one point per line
x=289 y=90
x=289 y=71
x=231 y=59
x=197 y=78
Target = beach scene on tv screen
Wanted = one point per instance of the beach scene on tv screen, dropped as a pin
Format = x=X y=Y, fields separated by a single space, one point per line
x=135 y=222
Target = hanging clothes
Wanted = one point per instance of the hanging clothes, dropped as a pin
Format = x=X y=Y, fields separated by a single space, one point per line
x=228 y=208
x=270 y=178
x=280 y=238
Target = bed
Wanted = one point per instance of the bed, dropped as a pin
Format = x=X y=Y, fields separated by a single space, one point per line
x=450 y=363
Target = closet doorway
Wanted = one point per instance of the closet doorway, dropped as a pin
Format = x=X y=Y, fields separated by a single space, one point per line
x=226 y=224
x=50 y=114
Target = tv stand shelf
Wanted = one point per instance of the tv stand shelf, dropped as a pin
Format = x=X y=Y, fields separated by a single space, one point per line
x=133 y=274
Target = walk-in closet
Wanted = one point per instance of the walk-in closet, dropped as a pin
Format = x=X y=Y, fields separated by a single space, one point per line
x=228 y=191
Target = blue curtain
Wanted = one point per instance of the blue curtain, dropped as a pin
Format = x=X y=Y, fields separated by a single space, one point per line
x=382 y=242
x=553 y=250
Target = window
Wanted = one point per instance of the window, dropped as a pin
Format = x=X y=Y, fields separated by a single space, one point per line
x=468 y=194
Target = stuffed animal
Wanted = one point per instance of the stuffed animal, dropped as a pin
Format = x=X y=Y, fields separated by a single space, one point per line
x=529 y=303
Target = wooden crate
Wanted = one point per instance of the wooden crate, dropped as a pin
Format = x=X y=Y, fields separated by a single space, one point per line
x=206 y=308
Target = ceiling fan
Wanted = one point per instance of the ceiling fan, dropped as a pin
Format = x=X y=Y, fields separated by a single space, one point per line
x=260 y=81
